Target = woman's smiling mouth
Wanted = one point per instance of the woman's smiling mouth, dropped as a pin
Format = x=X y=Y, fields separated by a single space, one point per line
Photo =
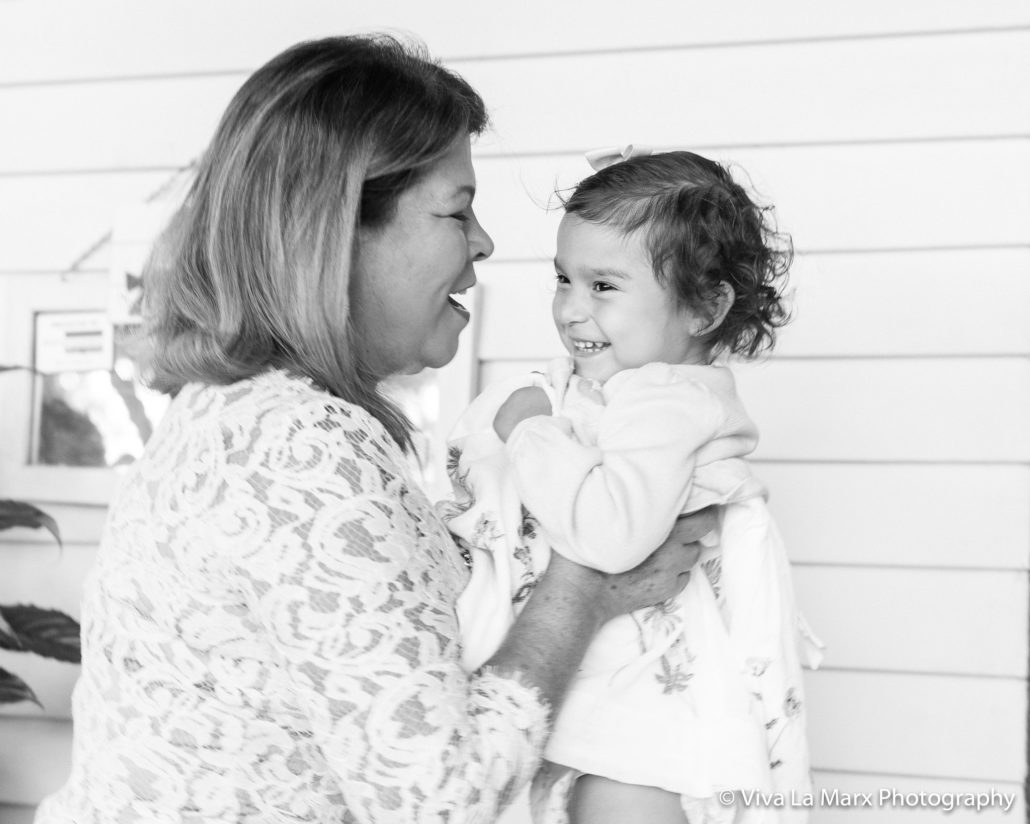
x=458 y=307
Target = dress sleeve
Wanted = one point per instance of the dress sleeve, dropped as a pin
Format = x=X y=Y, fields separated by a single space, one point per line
x=610 y=505
x=348 y=593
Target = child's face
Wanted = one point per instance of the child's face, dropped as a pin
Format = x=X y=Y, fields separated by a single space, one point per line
x=611 y=312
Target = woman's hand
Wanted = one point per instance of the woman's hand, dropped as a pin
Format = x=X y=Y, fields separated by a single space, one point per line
x=521 y=404
x=662 y=576
x=572 y=602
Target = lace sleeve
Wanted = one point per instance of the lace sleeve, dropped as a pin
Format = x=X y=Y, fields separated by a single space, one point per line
x=349 y=587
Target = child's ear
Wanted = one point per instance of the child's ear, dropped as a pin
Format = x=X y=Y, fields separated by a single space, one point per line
x=719 y=306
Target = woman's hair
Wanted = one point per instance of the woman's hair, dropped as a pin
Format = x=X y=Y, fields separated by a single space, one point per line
x=700 y=229
x=254 y=270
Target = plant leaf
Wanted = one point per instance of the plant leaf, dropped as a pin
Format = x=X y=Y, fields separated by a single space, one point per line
x=8 y=638
x=19 y=513
x=46 y=632
x=13 y=689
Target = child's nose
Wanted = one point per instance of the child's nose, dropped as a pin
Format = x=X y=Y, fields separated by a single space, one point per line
x=570 y=308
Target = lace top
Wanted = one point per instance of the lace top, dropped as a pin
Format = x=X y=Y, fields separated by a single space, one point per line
x=269 y=633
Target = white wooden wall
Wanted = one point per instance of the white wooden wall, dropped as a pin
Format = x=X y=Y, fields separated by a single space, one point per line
x=894 y=139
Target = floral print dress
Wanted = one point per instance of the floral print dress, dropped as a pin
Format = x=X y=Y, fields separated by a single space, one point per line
x=699 y=695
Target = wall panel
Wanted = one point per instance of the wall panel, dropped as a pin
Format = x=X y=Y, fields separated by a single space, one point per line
x=48 y=223
x=39 y=762
x=17 y=813
x=134 y=124
x=859 y=612
x=891 y=410
x=964 y=83
x=960 y=516
x=918 y=725
x=239 y=34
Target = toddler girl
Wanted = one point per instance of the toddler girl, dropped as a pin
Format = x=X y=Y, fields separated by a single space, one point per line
x=688 y=710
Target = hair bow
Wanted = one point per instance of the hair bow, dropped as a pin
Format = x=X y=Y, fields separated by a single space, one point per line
x=603 y=158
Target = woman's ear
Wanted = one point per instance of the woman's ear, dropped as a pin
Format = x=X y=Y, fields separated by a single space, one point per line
x=719 y=308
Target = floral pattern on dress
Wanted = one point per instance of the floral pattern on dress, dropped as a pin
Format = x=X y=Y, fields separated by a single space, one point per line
x=690 y=665
x=270 y=633
x=528 y=534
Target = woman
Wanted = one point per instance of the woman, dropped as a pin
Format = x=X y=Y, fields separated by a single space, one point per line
x=269 y=633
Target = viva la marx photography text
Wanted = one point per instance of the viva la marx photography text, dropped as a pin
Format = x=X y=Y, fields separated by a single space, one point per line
x=886 y=797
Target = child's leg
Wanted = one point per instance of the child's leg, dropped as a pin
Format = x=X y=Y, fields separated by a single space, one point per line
x=597 y=800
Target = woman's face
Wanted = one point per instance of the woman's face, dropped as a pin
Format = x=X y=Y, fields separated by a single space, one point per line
x=407 y=270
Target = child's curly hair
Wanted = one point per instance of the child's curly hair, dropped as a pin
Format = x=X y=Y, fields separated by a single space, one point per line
x=701 y=229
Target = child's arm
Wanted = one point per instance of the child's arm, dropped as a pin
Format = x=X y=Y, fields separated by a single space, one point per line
x=607 y=506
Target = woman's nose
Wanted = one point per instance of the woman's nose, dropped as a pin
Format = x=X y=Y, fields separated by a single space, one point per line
x=481 y=245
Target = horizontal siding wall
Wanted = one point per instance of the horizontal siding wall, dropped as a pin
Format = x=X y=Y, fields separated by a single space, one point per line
x=894 y=140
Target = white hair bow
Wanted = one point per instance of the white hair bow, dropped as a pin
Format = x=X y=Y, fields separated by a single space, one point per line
x=603 y=158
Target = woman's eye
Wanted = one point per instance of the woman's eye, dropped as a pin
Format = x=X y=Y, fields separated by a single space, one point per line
x=461 y=216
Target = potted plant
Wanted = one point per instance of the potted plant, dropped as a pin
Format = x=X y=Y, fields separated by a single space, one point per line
x=28 y=628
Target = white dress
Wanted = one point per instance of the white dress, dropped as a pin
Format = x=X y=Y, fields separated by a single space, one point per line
x=697 y=696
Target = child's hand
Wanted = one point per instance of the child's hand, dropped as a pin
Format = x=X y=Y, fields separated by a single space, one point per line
x=521 y=404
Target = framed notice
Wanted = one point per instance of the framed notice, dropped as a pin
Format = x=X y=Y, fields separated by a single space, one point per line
x=75 y=412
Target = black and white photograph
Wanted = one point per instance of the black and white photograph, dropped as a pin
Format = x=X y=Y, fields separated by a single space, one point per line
x=514 y=413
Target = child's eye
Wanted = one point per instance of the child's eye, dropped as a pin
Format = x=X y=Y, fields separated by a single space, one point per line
x=602 y=286
x=561 y=279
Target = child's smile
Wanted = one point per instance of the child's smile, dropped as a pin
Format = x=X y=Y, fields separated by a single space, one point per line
x=610 y=311
x=588 y=346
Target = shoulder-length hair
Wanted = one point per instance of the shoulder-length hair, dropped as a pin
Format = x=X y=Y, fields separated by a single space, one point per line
x=253 y=272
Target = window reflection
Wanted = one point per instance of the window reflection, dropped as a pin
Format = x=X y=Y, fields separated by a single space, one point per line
x=94 y=417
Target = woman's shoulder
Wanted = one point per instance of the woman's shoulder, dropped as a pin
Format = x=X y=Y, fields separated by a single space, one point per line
x=274 y=398
x=285 y=422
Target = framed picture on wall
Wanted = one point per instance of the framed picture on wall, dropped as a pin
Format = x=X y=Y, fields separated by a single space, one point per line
x=75 y=412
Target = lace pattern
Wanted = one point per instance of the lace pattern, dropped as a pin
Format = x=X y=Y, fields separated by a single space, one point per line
x=269 y=633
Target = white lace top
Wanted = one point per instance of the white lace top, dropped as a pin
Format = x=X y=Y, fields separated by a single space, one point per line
x=270 y=635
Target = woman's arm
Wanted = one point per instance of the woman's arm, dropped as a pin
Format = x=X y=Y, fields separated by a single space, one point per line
x=571 y=602
x=358 y=614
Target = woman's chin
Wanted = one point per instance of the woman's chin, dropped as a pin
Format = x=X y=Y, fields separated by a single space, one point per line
x=437 y=357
